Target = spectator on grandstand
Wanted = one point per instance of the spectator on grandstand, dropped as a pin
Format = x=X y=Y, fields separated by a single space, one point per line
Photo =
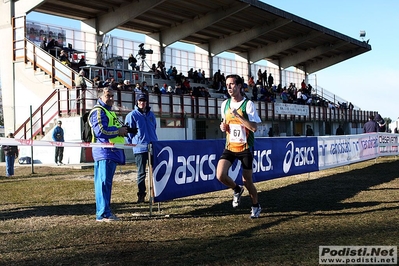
x=265 y=95
x=96 y=81
x=196 y=92
x=161 y=70
x=186 y=87
x=169 y=73
x=270 y=80
x=381 y=123
x=164 y=89
x=255 y=91
x=245 y=86
x=331 y=105
x=80 y=81
x=218 y=82
x=170 y=90
x=190 y=73
x=396 y=131
x=137 y=89
x=144 y=87
x=155 y=71
x=174 y=74
x=203 y=76
x=264 y=79
x=43 y=44
x=113 y=84
x=204 y=92
x=285 y=96
x=340 y=130
x=119 y=87
x=259 y=75
x=50 y=46
x=309 y=131
x=82 y=62
x=64 y=58
x=178 y=90
x=270 y=133
x=251 y=83
x=304 y=98
x=195 y=76
x=299 y=99
x=200 y=77
x=303 y=85
x=127 y=86
x=156 y=89
x=132 y=61
x=370 y=126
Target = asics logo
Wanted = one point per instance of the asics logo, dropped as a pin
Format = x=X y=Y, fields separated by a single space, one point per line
x=185 y=170
x=299 y=156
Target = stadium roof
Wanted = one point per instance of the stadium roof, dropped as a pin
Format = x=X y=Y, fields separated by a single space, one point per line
x=249 y=28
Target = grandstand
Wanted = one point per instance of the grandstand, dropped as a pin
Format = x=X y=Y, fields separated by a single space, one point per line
x=40 y=80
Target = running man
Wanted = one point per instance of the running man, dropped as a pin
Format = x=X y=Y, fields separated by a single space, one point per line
x=239 y=121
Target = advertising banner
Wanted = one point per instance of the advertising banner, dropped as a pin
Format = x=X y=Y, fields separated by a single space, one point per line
x=185 y=168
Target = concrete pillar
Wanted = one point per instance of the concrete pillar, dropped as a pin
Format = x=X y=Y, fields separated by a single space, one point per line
x=7 y=67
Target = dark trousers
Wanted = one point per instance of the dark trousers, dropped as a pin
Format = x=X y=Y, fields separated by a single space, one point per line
x=59 y=154
x=141 y=162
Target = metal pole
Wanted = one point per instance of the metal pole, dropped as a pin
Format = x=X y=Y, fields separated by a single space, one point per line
x=31 y=137
x=150 y=190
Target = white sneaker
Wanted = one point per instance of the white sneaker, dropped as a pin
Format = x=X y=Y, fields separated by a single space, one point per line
x=255 y=212
x=237 y=197
x=111 y=218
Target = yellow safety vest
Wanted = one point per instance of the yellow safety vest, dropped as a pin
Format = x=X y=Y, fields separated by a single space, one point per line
x=113 y=121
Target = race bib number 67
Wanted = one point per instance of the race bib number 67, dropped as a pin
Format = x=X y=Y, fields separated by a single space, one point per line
x=237 y=133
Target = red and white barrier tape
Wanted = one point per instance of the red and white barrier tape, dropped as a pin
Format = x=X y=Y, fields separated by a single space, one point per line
x=29 y=142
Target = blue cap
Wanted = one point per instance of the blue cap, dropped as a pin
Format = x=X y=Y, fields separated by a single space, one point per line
x=141 y=96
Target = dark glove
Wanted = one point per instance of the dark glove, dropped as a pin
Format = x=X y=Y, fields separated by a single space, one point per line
x=132 y=130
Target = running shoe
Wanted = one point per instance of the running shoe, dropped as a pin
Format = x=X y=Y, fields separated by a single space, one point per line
x=255 y=212
x=237 y=197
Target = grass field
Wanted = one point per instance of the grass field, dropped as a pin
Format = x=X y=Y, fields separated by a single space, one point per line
x=47 y=218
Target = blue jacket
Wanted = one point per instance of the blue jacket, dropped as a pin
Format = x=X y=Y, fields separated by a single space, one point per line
x=99 y=123
x=370 y=126
x=146 y=125
x=58 y=134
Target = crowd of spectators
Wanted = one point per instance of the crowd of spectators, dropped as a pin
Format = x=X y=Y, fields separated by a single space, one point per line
x=264 y=89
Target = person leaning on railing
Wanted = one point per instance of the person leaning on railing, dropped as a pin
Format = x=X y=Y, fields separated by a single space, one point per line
x=64 y=58
x=80 y=81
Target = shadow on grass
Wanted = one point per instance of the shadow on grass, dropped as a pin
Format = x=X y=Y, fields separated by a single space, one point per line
x=251 y=245
x=322 y=194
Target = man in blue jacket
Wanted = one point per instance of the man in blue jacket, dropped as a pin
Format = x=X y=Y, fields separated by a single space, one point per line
x=106 y=128
x=144 y=120
x=58 y=136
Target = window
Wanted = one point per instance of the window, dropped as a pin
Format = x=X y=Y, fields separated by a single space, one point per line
x=172 y=122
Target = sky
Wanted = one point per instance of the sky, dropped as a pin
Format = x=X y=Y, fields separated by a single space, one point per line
x=368 y=80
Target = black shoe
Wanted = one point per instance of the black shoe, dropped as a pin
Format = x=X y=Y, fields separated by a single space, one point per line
x=141 y=197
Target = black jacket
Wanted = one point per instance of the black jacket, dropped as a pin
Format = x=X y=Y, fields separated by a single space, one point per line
x=10 y=150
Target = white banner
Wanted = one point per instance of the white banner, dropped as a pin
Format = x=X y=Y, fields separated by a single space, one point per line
x=387 y=144
x=291 y=109
x=343 y=150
